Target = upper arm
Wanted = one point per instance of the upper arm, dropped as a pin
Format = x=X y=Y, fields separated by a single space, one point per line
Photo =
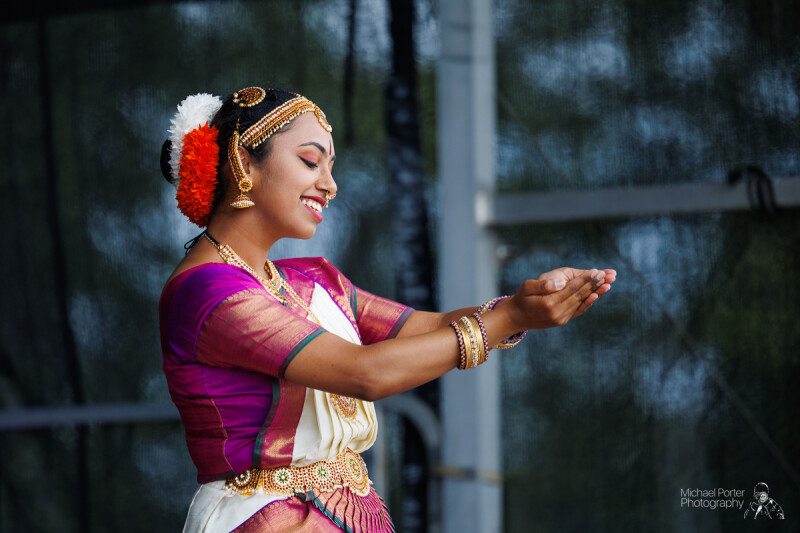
x=252 y=331
x=334 y=365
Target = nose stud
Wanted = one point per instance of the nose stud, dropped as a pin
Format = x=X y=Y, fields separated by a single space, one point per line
x=329 y=197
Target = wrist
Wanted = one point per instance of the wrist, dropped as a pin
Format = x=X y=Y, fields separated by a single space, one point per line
x=512 y=318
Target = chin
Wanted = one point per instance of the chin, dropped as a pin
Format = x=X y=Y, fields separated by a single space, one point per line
x=305 y=234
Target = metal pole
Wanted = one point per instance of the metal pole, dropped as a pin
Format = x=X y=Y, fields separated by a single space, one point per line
x=471 y=456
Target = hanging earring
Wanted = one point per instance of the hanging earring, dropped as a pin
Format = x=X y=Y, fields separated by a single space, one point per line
x=245 y=183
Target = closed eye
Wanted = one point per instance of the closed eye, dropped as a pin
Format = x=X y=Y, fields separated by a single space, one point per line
x=309 y=164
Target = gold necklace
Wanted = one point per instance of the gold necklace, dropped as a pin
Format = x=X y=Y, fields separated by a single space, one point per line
x=273 y=285
x=346 y=406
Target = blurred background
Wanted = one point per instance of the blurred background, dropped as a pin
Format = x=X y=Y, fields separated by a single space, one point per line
x=661 y=139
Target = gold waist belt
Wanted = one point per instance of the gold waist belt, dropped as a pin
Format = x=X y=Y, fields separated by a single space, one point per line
x=346 y=470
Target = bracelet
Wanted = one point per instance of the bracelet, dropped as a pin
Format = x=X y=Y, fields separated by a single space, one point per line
x=508 y=342
x=489 y=306
x=474 y=354
x=484 y=339
x=461 y=348
x=472 y=344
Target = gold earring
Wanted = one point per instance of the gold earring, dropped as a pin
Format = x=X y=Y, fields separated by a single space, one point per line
x=242 y=180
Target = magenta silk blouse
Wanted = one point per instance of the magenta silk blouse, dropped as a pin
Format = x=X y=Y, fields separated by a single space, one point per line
x=226 y=343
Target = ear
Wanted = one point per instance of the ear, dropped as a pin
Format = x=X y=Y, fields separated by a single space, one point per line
x=245 y=158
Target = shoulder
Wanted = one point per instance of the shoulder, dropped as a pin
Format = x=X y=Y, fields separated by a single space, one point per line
x=318 y=269
x=204 y=285
x=307 y=264
x=210 y=275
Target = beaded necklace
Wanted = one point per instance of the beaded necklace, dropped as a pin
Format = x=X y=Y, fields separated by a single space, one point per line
x=273 y=285
x=347 y=406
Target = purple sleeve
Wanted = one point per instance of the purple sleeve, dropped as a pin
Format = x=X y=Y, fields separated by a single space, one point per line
x=223 y=317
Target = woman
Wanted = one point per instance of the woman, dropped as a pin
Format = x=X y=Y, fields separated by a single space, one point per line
x=273 y=366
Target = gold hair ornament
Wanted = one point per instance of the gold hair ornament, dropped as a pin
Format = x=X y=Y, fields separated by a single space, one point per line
x=242 y=180
x=279 y=117
x=249 y=97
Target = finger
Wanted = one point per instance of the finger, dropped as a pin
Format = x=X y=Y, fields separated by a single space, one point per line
x=534 y=287
x=580 y=287
x=577 y=295
x=564 y=273
x=602 y=289
x=554 y=285
x=587 y=303
x=611 y=275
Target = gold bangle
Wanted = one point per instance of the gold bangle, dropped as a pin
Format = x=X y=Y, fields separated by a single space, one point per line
x=484 y=342
x=509 y=342
x=472 y=354
x=480 y=351
x=462 y=360
x=469 y=344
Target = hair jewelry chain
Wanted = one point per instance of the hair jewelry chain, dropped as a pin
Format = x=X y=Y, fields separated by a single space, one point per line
x=242 y=180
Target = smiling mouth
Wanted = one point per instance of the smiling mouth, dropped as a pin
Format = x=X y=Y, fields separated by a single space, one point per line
x=314 y=207
x=313 y=204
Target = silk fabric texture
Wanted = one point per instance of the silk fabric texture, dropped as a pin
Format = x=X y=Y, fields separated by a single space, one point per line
x=311 y=427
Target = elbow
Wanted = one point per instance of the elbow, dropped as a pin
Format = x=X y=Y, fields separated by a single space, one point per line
x=370 y=384
x=370 y=394
x=370 y=389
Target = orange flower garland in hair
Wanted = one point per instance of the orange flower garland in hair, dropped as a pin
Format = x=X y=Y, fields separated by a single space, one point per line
x=198 y=174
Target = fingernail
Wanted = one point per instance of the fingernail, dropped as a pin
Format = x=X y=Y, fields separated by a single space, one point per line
x=559 y=284
x=600 y=275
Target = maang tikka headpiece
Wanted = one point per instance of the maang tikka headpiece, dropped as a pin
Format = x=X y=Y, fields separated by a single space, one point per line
x=263 y=130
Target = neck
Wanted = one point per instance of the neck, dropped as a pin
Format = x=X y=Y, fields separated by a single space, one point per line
x=243 y=233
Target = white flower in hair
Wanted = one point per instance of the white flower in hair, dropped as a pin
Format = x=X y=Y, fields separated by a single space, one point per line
x=194 y=111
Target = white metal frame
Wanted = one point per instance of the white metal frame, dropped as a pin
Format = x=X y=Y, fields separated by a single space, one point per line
x=471 y=448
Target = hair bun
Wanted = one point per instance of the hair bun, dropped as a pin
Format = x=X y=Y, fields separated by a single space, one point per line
x=166 y=169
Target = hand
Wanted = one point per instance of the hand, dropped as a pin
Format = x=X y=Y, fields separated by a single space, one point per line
x=567 y=274
x=558 y=296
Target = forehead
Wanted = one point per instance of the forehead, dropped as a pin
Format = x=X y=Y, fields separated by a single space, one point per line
x=305 y=128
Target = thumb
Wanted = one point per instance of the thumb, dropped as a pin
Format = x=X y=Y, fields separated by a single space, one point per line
x=555 y=285
x=535 y=287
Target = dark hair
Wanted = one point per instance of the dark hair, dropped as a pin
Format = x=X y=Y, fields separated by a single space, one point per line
x=226 y=119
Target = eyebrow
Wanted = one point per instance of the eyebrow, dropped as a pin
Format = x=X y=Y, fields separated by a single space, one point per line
x=318 y=147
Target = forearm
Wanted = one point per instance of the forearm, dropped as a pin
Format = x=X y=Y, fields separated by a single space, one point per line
x=392 y=366
x=426 y=356
x=427 y=348
x=424 y=321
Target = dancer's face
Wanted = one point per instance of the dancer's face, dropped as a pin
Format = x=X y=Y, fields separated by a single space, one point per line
x=289 y=186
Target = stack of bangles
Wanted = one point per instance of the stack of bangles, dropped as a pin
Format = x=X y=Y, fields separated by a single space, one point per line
x=472 y=342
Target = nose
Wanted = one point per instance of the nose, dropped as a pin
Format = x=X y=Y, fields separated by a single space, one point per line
x=327 y=183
